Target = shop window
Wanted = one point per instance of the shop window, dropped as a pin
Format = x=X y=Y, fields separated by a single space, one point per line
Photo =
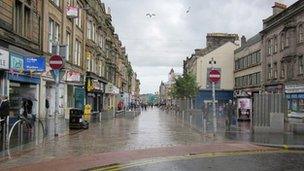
x=294 y=105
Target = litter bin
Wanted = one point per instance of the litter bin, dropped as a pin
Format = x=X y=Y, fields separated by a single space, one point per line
x=76 y=121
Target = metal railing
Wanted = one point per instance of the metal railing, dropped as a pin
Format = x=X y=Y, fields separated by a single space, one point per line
x=7 y=130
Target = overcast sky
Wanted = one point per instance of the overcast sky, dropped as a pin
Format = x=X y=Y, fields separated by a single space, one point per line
x=155 y=45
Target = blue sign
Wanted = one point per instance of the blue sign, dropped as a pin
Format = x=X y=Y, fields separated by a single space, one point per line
x=301 y=96
x=34 y=64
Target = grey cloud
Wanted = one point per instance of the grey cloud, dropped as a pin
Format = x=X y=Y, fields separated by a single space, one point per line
x=166 y=39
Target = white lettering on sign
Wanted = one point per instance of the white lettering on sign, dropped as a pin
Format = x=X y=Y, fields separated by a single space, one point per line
x=215 y=75
x=56 y=62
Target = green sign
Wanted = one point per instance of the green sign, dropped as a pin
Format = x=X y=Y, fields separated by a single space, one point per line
x=16 y=62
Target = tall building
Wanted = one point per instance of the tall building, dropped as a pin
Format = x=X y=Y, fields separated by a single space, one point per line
x=282 y=52
x=247 y=74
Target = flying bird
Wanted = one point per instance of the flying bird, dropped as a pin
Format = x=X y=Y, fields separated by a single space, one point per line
x=188 y=10
x=150 y=15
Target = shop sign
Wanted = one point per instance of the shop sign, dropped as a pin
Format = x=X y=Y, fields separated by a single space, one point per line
x=16 y=62
x=294 y=88
x=34 y=64
x=96 y=84
x=72 y=76
x=111 y=89
x=72 y=12
x=4 y=59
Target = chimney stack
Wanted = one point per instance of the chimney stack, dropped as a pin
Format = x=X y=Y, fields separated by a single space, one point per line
x=278 y=7
x=243 y=40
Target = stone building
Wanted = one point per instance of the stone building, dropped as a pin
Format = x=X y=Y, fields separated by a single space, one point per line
x=20 y=43
x=247 y=73
x=282 y=52
x=80 y=31
x=219 y=46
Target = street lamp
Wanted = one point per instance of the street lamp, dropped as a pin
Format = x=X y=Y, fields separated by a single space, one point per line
x=213 y=62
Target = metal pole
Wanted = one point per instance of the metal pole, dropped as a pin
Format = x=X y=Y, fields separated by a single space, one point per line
x=213 y=101
x=56 y=73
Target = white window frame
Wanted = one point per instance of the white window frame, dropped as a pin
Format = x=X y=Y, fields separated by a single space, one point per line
x=53 y=36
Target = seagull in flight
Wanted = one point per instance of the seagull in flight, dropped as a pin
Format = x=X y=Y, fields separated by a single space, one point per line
x=188 y=10
x=150 y=15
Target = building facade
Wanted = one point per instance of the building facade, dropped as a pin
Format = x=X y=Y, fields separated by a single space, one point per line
x=282 y=52
x=81 y=31
x=247 y=74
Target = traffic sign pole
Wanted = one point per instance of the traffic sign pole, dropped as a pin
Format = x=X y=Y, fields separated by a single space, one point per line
x=56 y=63
x=214 y=77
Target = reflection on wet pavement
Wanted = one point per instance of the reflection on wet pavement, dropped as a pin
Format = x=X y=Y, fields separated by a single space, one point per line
x=153 y=128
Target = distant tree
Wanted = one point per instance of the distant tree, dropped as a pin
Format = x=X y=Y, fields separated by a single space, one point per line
x=185 y=86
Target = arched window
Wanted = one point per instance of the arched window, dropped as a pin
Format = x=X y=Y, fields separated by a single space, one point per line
x=282 y=41
x=301 y=33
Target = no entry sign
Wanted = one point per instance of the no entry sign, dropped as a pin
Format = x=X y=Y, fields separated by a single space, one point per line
x=56 y=62
x=214 y=76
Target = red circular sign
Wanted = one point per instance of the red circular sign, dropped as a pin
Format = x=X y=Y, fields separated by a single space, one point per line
x=214 y=76
x=56 y=62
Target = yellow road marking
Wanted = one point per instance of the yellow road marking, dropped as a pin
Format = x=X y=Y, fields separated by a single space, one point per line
x=118 y=167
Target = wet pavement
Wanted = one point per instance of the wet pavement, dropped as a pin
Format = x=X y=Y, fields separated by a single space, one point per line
x=282 y=160
x=152 y=129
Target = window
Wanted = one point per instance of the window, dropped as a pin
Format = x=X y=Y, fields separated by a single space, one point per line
x=78 y=19
x=301 y=33
x=56 y=2
x=275 y=70
x=18 y=17
x=249 y=80
x=269 y=45
x=241 y=61
x=269 y=71
x=100 y=40
x=53 y=36
x=236 y=65
x=89 y=29
x=250 y=60
x=300 y=64
x=77 y=54
x=275 y=49
x=258 y=57
x=69 y=46
x=69 y=2
x=287 y=41
x=246 y=62
x=254 y=79
x=282 y=70
x=282 y=41
x=258 y=77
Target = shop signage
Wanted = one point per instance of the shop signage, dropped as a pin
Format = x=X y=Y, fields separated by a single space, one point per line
x=34 y=64
x=111 y=89
x=96 y=85
x=294 y=88
x=73 y=76
x=244 y=103
x=72 y=12
x=16 y=62
x=4 y=57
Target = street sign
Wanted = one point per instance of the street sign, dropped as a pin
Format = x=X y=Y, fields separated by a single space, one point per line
x=56 y=62
x=214 y=75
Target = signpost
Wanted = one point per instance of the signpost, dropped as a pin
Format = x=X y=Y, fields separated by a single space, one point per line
x=214 y=77
x=56 y=63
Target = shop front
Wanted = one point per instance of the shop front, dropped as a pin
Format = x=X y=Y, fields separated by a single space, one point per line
x=94 y=94
x=295 y=97
x=112 y=94
x=4 y=67
x=75 y=89
x=24 y=80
